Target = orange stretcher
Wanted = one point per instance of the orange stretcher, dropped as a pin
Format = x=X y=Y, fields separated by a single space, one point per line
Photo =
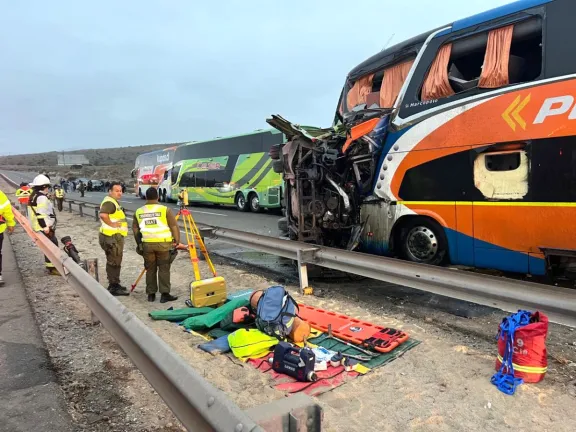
x=362 y=333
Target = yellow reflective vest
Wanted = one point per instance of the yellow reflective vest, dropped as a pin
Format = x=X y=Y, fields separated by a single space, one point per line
x=6 y=215
x=117 y=216
x=59 y=193
x=41 y=210
x=153 y=224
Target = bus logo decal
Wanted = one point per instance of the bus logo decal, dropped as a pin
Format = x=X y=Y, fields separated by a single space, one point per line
x=513 y=112
x=556 y=106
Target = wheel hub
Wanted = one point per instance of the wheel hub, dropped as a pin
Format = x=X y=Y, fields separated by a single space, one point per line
x=241 y=201
x=255 y=202
x=422 y=243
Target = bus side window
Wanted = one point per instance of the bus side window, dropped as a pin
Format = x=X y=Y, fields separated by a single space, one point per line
x=502 y=175
x=502 y=56
x=175 y=172
x=166 y=175
x=188 y=180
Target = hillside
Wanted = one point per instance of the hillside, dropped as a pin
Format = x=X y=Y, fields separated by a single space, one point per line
x=97 y=157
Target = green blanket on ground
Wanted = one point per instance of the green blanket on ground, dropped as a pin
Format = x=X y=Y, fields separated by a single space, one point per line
x=375 y=362
x=212 y=318
x=177 y=315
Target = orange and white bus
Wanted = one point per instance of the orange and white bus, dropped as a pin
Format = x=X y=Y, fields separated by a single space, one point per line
x=456 y=146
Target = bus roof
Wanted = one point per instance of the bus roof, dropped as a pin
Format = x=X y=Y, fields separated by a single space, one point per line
x=405 y=48
x=257 y=131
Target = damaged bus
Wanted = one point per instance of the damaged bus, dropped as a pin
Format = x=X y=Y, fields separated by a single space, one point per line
x=235 y=170
x=455 y=147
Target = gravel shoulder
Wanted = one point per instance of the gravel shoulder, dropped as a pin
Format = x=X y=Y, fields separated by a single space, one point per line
x=441 y=385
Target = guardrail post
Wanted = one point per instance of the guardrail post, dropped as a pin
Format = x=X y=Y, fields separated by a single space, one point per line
x=70 y=206
x=304 y=256
x=91 y=266
x=81 y=209
x=96 y=214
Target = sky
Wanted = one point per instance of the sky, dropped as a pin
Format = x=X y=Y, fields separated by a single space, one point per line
x=108 y=73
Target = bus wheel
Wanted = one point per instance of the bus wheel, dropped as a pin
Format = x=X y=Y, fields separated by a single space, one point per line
x=254 y=203
x=241 y=203
x=140 y=194
x=424 y=241
x=278 y=166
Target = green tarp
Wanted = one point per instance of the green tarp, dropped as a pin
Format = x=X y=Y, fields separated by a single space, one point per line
x=177 y=315
x=212 y=318
x=375 y=362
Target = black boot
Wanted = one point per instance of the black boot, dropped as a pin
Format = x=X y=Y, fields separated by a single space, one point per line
x=167 y=298
x=123 y=288
x=116 y=290
x=151 y=298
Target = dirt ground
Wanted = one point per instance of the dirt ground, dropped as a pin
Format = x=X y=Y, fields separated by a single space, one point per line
x=441 y=385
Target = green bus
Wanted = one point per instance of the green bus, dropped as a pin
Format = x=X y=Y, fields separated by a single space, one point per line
x=235 y=170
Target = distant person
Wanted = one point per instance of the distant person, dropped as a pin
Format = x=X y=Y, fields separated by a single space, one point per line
x=6 y=223
x=156 y=231
x=41 y=214
x=107 y=186
x=81 y=189
x=89 y=186
x=65 y=186
x=123 y=187
x=59 y=193
x=113 y=229
x=23 y=194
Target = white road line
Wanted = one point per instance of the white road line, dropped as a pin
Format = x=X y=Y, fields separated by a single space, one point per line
x=208 y=213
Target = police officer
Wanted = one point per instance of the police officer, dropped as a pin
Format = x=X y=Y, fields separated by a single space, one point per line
x=156 y=230
x=6 y=222
x=41 y=214
x=112 y=232
x=59 y=193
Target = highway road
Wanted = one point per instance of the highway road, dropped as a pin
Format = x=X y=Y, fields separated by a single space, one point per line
x=265 y=223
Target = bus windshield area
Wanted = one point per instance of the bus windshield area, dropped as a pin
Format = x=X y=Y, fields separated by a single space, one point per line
x=328 y=175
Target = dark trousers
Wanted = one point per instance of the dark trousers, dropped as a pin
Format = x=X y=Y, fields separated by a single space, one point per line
x=157 y=264
x=60 y=202
x=81 y=193
x=1 y=241
x=113 y=246
x=52 y=238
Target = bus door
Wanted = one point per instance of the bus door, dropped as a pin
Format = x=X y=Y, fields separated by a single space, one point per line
x=501 y=224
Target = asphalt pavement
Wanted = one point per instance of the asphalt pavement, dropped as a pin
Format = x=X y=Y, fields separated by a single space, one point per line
x=31 y=398
x=265 y=223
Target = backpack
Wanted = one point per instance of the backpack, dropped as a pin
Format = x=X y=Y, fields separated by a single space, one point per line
x=275 y=312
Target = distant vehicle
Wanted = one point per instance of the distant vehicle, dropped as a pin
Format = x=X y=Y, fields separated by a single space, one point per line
x=149 y=169
x=236 y=170
x=83 y=180
x=98 y=185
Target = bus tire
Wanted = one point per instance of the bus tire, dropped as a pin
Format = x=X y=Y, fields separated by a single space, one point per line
x=423 y=241
x=283 y=224
x=254 y=203
x=274 y=152
x=140 y=194
x=278 y=166
x=241 y=203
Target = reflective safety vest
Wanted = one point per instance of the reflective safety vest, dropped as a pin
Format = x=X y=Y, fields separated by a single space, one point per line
x=6 y=215
x=117 y=216
x=59 y=193
x=41 y=209
x=153 y=224
x=23 y=194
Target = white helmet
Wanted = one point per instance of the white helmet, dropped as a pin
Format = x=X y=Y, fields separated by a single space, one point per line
x=40 y=180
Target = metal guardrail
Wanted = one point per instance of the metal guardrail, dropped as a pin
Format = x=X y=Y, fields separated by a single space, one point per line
x=507 y=294
x=196 y=402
